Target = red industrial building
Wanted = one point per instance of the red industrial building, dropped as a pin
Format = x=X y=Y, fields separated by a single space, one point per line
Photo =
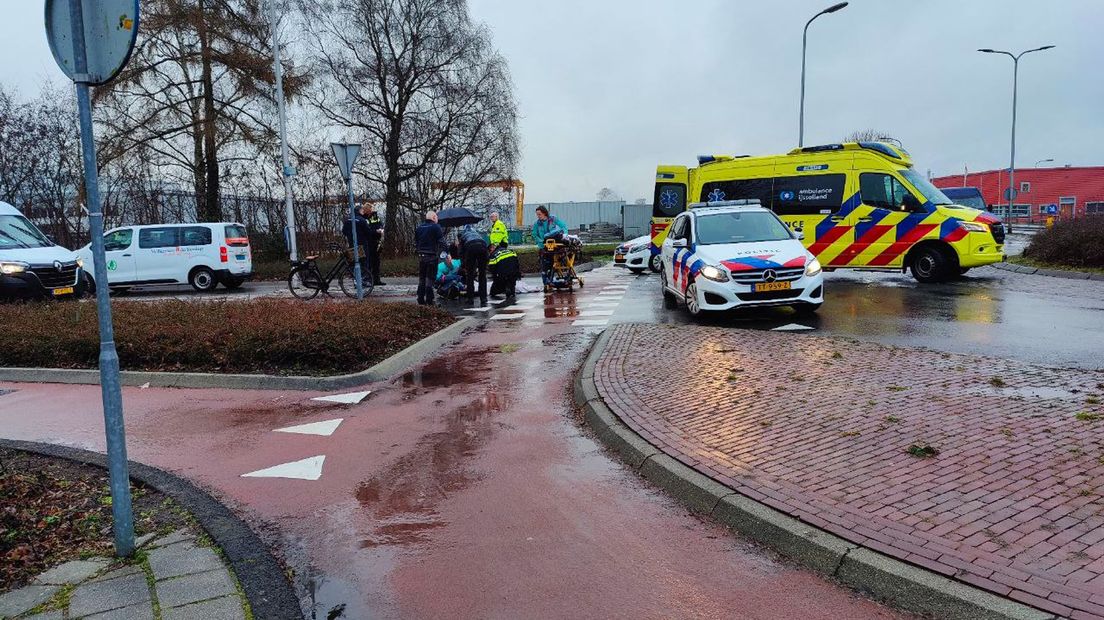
x=1076 y=191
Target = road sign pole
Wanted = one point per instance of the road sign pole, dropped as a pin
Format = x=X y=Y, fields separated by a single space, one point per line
x=356 y=247
x=121 y=509
x=289 y=170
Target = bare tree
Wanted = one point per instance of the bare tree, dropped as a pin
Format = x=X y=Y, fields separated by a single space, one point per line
x=422 y=87
x=196 y=95
x=870 y=135
x=608 y=195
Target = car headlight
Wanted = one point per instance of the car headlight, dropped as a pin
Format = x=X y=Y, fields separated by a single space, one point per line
x=714 y=273
x=813 y=267
x=80 y=263
x=974 y=226
x=13 y=268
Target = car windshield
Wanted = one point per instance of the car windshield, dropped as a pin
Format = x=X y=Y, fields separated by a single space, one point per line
x=740 y=227
x=17 y=231
x=931 y=193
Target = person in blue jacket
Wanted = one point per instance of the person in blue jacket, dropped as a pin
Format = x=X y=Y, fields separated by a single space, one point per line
x=546 y=227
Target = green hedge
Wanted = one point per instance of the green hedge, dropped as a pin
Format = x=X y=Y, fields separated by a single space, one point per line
x=1071 y=243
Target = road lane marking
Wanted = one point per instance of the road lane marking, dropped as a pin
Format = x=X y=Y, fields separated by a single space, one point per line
x=306 y=469
x=351 y=398
x=504 y=317
x=590 y=322
x=792 y=327
x=324 y=428
x=596 y=313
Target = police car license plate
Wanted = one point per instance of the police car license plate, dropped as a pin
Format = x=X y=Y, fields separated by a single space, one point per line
x=772 y=286
x=65 y=290
x=620 y=258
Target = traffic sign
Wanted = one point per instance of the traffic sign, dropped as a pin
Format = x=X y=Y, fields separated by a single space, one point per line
x=346 y=155
x=110 y=28
x=1052 y=209
x=1010 y=193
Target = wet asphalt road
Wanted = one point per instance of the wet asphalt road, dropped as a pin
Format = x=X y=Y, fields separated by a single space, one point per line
x=1030 y=318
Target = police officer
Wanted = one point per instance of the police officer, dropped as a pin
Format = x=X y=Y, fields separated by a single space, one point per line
x=499 y=233
x=375 y=238
x=506 y=268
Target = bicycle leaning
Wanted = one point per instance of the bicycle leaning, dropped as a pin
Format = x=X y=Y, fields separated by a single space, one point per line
x=306 y=280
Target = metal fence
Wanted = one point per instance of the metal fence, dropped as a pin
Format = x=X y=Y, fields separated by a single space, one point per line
x=633 y=220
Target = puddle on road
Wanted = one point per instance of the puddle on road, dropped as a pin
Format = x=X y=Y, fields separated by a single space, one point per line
x=403 y=499
x=461 y=367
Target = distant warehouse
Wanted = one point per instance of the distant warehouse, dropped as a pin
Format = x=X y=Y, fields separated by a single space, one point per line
x=1062 y=193
x=612 y=219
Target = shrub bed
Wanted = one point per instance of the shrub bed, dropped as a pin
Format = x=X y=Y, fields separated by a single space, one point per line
x=1070 y=243
x=271 y=336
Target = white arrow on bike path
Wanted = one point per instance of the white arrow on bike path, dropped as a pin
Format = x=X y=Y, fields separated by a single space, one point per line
x=351 y=398
x=306 y=469
x=324 y=428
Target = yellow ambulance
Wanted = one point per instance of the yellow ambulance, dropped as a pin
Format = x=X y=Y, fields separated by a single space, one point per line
x=856 y=205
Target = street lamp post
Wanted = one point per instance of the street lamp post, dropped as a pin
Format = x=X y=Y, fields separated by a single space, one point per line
x=289 y=170
x=804 y=44
x=1043 y=161
x=1015 y=79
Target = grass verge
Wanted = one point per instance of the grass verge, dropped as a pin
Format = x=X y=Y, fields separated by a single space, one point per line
x=1037 y=264
x=269 y=336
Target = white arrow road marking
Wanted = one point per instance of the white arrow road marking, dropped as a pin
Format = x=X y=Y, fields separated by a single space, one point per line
x=479 y=309
x=306 y=469
x=351 y=398
x=324 y=428
x=597 y=313
x=504 y=317
x=792 y=327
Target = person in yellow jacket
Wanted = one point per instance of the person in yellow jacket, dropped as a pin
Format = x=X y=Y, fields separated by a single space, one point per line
x=498 y=232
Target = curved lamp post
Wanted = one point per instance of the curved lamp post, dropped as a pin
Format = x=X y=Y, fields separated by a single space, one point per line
x=804 y=43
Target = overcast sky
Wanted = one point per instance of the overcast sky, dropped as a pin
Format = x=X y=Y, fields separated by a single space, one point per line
x=607 y=89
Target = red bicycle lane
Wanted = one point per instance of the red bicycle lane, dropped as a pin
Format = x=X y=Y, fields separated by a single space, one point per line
x=464 y=488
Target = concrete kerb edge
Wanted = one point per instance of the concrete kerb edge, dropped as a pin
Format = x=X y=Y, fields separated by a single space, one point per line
x=383 y=370
x=876 y=574
x=1053 y=273
x=262 y=579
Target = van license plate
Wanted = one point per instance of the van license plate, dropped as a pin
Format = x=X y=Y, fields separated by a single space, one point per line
x=772 y=286
x=241 y=256
x=67 y=290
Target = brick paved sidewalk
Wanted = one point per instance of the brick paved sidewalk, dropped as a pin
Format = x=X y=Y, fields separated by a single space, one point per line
x=822 y=428
x=177 y=580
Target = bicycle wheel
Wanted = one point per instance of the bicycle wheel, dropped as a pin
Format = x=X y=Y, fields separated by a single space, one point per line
x=348 y=283
x=304 y=282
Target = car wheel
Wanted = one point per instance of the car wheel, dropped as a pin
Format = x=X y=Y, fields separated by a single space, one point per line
x=806 y=309
x=88 y=284
x=929 y=264
x=655 y=263
x=636 y=270
x=691 y=299
x=202 y=279
x=232 y=282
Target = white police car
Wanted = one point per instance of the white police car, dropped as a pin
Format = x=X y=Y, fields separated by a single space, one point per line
x=736 y=254
x=636 y=255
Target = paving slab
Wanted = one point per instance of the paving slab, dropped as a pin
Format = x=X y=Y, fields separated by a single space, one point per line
x=142 y=611
x=225 y=608
x=195 y=587
x=173 y=538
x=72 y=572
x=182 y=559
x=100 y=596
x=25 y=599
x=123 y=571
x=48 y=615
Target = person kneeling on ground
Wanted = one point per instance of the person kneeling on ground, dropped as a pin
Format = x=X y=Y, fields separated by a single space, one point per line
x=506 y=269
x=449 y=284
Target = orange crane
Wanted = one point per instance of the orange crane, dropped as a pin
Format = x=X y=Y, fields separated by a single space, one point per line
x=505 y=184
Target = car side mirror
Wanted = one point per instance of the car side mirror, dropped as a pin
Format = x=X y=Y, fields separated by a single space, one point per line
x=909 y=202
x=799 y=235
x=678 y=243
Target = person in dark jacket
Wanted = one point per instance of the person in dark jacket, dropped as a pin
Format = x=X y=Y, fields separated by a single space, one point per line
x=363 y=239
x=429 y=240
x=375 y=238
x=474 y=260
x=506 y=268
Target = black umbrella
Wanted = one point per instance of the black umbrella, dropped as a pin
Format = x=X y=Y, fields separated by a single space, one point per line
x=456 y=216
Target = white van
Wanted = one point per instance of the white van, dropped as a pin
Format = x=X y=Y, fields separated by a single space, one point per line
x=203 y=255
x=31 y=265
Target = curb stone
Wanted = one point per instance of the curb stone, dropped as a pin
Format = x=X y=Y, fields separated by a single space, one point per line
x=1054 y=273
x=262 y=579
x=909 y=587
x=381 y=371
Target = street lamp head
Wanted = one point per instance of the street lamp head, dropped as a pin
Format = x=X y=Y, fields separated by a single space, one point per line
x=835 y=7
x=988 y=50
x=1045 y=47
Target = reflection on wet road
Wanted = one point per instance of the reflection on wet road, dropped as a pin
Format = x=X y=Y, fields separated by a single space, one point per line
x=1036 y=319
